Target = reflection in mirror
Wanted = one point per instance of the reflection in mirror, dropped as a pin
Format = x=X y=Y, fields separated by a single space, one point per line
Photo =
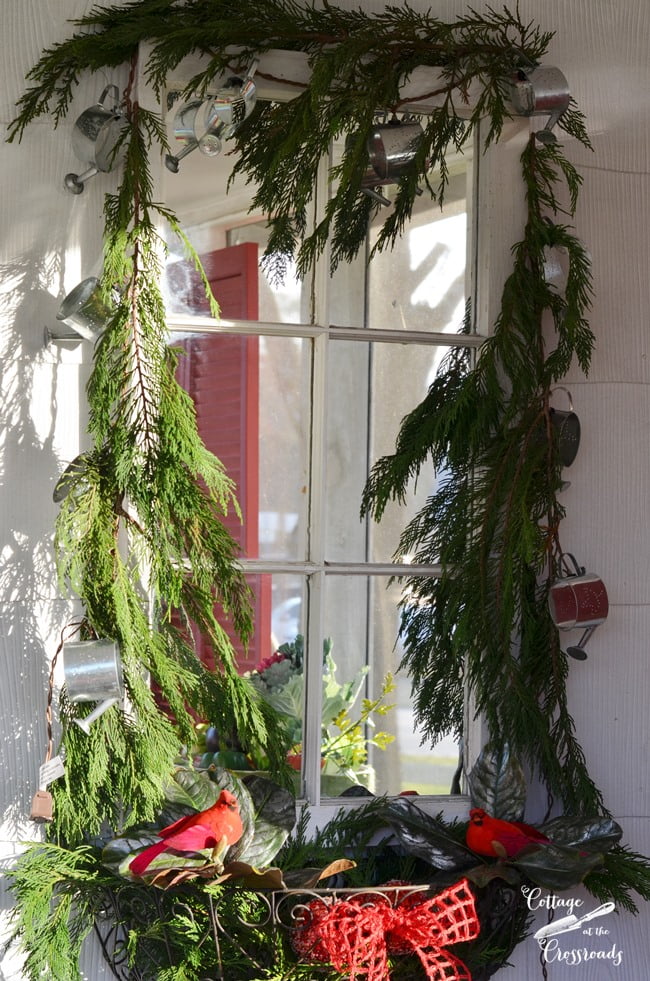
x=298 y=411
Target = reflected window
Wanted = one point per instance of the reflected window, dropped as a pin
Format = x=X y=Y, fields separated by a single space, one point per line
x=298 y=390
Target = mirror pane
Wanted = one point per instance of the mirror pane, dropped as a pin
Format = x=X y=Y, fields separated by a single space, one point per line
x=371 y=388
x=252 y=399
x=373 y=743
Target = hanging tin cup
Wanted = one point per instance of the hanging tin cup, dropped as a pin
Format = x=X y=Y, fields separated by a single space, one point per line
x=538 y=91
x=95 y=137
x=84 y=310
x=578 y=600
x=92 y=671
x=567 y=426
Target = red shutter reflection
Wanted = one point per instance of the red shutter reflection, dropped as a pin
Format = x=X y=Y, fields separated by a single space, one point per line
x=221 y=373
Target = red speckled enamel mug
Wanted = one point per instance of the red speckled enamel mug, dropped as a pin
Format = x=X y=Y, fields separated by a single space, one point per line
x=580 y=600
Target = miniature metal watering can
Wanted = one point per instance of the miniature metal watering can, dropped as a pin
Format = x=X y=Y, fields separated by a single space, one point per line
x=578 y=599
x=221 y=115
x=84 y=310
x=537 y=91
x=567 y=426
x=391 y=148
x=92 y=671
x=95 y=136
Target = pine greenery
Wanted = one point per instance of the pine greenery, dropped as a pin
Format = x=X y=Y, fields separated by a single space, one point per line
x=140 y=537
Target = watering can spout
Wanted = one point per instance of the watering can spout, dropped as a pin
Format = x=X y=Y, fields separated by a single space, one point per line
x=88 y=720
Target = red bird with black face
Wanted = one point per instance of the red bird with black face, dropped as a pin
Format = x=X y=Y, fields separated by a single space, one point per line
x=501 y=839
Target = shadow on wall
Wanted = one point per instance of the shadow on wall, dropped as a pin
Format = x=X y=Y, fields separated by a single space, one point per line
x=39 y=433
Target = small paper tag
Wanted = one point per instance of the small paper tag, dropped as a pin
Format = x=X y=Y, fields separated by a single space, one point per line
x=50 y=771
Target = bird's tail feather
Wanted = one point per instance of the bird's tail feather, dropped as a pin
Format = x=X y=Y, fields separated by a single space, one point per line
x=142 y=861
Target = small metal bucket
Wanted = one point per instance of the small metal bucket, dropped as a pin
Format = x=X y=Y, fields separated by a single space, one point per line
x=567 y=425
x=84 y=310
x=92 y=671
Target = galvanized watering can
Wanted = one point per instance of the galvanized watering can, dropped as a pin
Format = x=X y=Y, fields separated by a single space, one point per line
x=92 y=671
x=95 y=137
x=391 y=148
x=567 y=426
x=206 y=124
x=538 y=91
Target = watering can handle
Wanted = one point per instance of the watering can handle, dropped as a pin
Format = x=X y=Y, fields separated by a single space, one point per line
x=571 y=568
x=561 y=388
x=115 y=92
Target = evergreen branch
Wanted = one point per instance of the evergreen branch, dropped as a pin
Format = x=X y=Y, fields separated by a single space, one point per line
x=493 y=521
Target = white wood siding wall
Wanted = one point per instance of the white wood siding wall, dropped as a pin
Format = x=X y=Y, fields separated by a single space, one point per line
x=50 y=240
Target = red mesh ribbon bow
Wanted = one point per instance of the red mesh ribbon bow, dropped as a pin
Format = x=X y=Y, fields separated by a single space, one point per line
x=356 y=935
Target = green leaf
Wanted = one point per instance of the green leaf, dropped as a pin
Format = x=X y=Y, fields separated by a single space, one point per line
x=498 y=784
x=426 y=837
x=274 y=817
x=557 y=868
x=192 y=790
x=597 y=834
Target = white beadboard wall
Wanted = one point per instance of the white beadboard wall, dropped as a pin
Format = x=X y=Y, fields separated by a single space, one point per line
x=51 y=240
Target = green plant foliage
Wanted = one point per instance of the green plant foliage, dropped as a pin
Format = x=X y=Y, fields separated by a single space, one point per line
x=358 y=62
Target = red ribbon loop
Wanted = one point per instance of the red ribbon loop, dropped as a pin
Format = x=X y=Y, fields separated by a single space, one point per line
x=357 y=934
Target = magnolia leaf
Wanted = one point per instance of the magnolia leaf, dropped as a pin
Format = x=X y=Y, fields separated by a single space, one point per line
x=424 y=836
x=250 y=877
x=497 y=784
x=274 y=816
x=481 y=875
x=596 y=834
x=117 y=853
x=554 y=867
x=167 y=878
x=191 y=789
x=309 y=878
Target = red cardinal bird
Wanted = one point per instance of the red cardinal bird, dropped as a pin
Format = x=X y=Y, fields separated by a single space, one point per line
x=491 y=836
x=217 y=827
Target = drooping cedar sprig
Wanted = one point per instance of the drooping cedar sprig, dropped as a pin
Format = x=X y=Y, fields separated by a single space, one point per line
x=493 y=521
x=141 y=537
